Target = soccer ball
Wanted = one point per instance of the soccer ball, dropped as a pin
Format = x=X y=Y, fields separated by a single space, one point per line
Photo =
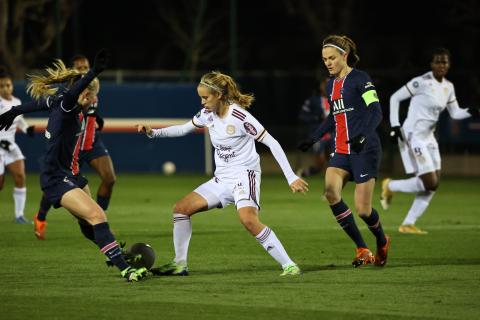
x=169 y=168
x=140 y=255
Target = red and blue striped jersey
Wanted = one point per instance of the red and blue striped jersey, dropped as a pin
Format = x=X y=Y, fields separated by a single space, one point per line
x=354 y=110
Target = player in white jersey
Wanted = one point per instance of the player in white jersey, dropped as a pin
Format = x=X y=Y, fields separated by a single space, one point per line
x=233 y=132
x=430 y=94
x=11 y=157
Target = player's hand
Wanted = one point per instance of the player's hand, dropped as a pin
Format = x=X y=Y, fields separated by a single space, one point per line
x=5 y=144
x=101 y=61
x=304 y=145
x=30 y=131
x=474 y=112
x=299 y=185
x=6 y=119
x=395 y=133
x=100 y=122
x=357 y=143
x=144 y=129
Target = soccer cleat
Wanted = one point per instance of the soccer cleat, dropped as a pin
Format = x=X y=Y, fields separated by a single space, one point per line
x=387 y=194
x=132 y=274
x=22 y=220
x=363 y=257
x=39 y=228
x=411 y=229
x=171 y=269
x=291 y=270
x=382 y=253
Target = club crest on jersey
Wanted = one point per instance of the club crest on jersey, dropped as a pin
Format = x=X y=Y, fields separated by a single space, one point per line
x=230 y=129
x=250 y=128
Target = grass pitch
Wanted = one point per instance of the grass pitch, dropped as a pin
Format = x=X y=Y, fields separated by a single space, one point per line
x=436 y=276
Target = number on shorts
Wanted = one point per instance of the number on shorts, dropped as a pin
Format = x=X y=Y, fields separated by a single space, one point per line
x=417 y=151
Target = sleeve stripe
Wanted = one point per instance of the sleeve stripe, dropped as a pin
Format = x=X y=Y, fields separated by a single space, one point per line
x=196 y=125
x=450 y=102
x=262 y=135
x=411 y=94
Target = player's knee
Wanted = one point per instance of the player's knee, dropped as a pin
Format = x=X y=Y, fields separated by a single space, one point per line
x=332 y=196
x=249 y=223
x=431 y=185
x=109 y=180
x=183 y=208
x=19 y=179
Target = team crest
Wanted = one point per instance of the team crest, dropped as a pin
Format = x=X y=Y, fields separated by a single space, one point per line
x=230 y=129
x=250 y=128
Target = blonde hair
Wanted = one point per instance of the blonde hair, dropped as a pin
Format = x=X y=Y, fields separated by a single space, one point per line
x=225 y=85
x=345 y=44
x=41 y=85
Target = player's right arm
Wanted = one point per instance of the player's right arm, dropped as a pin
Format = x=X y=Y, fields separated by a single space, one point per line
x=168 y=132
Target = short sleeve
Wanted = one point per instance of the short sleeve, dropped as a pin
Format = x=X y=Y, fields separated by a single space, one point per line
x=414 y=86
x=250 y=125
x=203 y=118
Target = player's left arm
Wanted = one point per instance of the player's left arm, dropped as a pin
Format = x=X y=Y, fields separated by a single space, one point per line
x=458 y=113
x=374 y=109
x=253 y=128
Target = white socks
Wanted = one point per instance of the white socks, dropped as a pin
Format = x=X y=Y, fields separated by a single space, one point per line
x=270 y=242
x=182 y=232
x=419 y=206
x=414 y=184
x=19 y=197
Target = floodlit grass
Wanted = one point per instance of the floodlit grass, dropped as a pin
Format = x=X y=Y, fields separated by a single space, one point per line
x=436 y=276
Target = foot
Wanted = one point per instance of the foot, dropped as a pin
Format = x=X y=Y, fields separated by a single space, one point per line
x=39 y=228
x=387 y=194
x=382 y=253
x=171 y=269
x=291 y=270
x=134 y=275
x=22 y=220
x=411 y=229
x=363 y=257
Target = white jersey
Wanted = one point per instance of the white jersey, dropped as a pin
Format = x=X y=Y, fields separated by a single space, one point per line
x=429 y=99
x=233 y=138
x=6 y=105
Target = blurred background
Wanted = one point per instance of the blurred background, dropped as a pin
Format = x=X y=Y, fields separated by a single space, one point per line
x=272 y=48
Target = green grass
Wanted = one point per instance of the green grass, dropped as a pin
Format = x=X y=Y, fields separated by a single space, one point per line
x=434 y=277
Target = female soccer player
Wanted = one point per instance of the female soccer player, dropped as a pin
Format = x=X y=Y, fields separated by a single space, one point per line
x=233 y=132
x=11 y=157
x=355 y=113
x=92 y=151
x=60 y=180
x=430 y=94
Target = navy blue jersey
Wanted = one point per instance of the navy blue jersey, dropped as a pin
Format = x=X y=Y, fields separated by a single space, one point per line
x=354 y=110
x=64 y=129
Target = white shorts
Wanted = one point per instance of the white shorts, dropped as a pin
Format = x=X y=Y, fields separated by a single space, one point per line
x=243 y=190
x=420 y=155
x=8 y=157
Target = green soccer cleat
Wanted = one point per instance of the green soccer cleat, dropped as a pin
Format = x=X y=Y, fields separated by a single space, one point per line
x=291 y=270
x=171 y=269
x=134 y=275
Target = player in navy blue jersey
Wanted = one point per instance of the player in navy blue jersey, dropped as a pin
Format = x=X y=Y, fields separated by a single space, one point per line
x=92 y=151
x=64 y=93
x=355 y=113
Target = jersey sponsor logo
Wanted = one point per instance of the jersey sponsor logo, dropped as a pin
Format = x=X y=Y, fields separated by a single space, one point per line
x=47 y=134
x=225 y=152
x=250 y=128
x=230 y=129
x=369 y=85
x=338 y=106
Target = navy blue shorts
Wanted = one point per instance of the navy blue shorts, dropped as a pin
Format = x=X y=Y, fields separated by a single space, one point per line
x=98 y=150
x=361 y=166
x=55 y=186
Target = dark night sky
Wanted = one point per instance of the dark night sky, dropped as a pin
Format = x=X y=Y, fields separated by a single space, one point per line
x=270 y=38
